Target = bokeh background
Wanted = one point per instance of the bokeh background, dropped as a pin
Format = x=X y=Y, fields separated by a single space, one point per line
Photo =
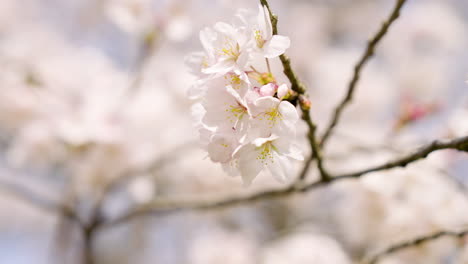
x=93 y=94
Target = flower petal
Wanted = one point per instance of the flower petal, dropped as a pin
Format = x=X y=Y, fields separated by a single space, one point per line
x=221 y=148
x=280 y=167
x=260 y=141
x=288 y=112
x=276 y=46
x=207 y=37
x=264 y=22
x=265 y=103
x=249 y=165
x=226 y=29
x=230 y=168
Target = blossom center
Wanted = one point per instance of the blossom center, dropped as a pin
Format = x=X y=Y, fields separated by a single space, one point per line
x=234 y=80
x=272 y=116
x=230 y=49
x=265 y=153
x=235 y=112
x=259 y=39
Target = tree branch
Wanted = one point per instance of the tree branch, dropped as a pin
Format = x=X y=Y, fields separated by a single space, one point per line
x=368 y=53
x=29 y=196
x=300 y=89
x=163 y=207
x=153 y=166
x=460 y=144
x=415 y=242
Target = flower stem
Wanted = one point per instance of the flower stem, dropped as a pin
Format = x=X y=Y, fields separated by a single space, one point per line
x=268 y=65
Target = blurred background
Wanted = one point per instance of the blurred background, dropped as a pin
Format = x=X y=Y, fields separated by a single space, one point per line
x=94 y=115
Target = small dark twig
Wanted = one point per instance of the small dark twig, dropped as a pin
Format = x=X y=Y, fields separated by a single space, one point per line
x=298 y=87
x=460 y=144
x=163 y=207
x=369 y=52
x=34 y=199
x=415 y=242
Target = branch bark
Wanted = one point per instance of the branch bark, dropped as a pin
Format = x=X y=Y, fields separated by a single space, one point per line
x=164 y=207
x=368 y=53
x=415 y=242
x=460 y=144
x=40 y=202
x=300 y=89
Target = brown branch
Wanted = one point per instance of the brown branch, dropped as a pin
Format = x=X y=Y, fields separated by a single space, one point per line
x=88 y=244
x=298 y=87
x=164 y=207
x=316 y=151
x=460 y=144
x=154 y=165
x=148 y=49
x=415 y=242
x=368 y=53
x=36 y=200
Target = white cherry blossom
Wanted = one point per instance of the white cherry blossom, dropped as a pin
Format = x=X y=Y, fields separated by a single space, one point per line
x=227 y=49
x=274 y=153
x=222 y=147
x=269 y=45
x=244 y=124
x=225 y=109
x=272 y=116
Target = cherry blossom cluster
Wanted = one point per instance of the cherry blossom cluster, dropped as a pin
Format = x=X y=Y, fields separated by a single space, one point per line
x=247 y=124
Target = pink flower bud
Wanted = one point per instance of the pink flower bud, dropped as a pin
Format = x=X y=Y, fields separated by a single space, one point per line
x=268 y=89
x=283 y=90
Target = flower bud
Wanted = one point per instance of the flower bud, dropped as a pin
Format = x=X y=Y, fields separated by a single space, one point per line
x=268 y=89
x=283 y=91
x=304 y=102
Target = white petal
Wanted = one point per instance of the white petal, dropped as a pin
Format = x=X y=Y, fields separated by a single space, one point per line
x=235 y=94
x=243 y=61
x=207 y=37
x=244 y=16
x=194 y=62
x=265 y=103
x=226 y=29
x=249 y=166
x=276 y=46
x=280 y=167
x=230 y=168
x=288 y=112
x=221 y=148
x=264 y=22
x=295 y=153
x=221 y=67
x=205 y=135
x=197 y=111
x=197 y=90
x=251 y=96
x=260 y=141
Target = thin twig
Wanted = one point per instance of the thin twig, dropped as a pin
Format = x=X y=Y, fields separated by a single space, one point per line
x=36 y=200
x=368 y=53
x=163 y=207
x=460 y=144
x=153 y=166
x=149 y=48
x=268 y=65
x=300 y=89
x=415 y=242
x=316 y=151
